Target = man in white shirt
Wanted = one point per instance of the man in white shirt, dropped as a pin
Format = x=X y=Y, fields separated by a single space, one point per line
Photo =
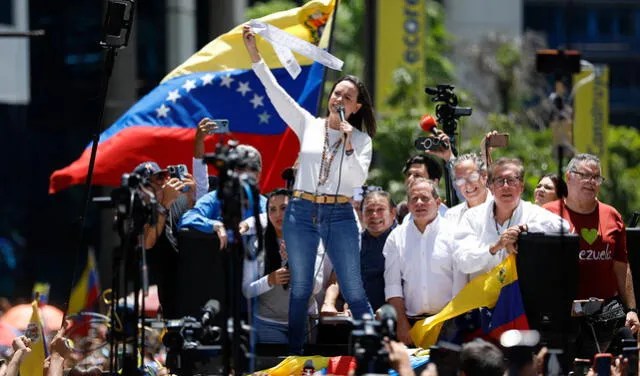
x=489 y=232
x=411 y=285
x=423 y=166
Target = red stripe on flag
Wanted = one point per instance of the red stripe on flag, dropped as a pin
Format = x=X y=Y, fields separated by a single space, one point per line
x=169 y=146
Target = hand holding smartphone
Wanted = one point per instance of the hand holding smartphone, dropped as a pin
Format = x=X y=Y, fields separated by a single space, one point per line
x=222 y=126
x=500 y=140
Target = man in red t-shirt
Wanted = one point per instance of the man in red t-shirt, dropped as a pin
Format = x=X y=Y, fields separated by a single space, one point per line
x=603 y=270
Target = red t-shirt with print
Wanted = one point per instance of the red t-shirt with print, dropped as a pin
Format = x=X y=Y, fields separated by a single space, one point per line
x=603 y=240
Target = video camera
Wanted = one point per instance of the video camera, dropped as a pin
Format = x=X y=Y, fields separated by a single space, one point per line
x=190 y=340
x=447 y=110
x=368 y=337
x=228 y=158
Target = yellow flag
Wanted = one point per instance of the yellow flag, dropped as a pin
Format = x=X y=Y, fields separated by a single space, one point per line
x=483 y=291
x=400 y=43
x=34 y=361
x=292 y=365
x=591 y=113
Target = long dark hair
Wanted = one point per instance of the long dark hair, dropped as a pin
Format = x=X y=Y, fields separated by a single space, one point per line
x=559 y=184
x=363 y=120
x=272 y=259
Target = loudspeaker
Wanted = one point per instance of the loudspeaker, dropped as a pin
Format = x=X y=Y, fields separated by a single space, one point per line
x=633 y=251
x=548 y=277
x=202 y=274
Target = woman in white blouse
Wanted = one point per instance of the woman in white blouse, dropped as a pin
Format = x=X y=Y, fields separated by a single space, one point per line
x=334 y=159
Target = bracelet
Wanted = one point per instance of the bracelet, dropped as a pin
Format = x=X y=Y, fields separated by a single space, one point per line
x=631 y=310
x=161 y=209
x=349 y=152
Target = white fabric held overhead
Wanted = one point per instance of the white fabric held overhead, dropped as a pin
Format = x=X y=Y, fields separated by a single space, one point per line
x=284 y=43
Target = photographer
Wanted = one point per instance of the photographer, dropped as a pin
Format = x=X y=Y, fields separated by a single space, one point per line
x=206 y=214
x=174 y=197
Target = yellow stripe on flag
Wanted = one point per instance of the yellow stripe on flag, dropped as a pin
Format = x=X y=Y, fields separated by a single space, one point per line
x=483 y=291
x=78 y=298
x=34 y=361
x=227 y=52
x=292 y=365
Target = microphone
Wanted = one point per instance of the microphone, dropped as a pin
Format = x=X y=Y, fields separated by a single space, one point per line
x=429 y=124
x=209 y=311
x=340 y=110
x=388 y=319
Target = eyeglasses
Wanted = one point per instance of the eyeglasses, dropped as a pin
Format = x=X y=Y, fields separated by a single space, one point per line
x=472 y=178
x=511 y=181
x=586 y=177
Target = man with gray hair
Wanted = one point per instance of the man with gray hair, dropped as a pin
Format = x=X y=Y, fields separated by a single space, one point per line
x=603 y=269
x=489 y=232
x=411 y=286
x=206 y=215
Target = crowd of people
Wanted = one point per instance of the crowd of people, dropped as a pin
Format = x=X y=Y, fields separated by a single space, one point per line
x=334 y=246
x=330 y=251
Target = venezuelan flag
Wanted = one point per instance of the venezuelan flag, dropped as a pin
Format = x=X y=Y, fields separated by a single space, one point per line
x=497 y=292
x=34 y=362
x=84 y=295
x=216 y=82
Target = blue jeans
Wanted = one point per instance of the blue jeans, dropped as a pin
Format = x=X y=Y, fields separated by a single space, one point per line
x=270 y=332
x=336 y=225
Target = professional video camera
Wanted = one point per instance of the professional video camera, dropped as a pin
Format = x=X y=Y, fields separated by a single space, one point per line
x=191 y=341
x=447 y=111
x=368 y=337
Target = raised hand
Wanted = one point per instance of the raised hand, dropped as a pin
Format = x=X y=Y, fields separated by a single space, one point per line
x=249 y=38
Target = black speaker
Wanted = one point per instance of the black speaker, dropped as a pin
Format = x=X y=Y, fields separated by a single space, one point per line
x=548 y=277
x=202 y=274
x=633 y=251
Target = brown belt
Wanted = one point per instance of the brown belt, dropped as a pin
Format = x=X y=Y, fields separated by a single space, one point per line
x=321 y=199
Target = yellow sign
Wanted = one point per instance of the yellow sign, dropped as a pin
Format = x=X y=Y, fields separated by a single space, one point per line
x=400 y=33
x=591 y=119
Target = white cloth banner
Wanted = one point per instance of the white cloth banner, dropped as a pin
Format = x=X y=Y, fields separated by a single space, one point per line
x=284 y=43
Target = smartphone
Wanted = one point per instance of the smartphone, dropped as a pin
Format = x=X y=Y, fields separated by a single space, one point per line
x=222 y=126
x=602 y=364
x=500 y=140
x=445 y=356
x=179 y=172
x=631 y=353
x=581 y=366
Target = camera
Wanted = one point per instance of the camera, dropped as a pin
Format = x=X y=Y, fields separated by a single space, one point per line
x=192 y=343
x=178 y=172
x=431 y=143
x=447 y=110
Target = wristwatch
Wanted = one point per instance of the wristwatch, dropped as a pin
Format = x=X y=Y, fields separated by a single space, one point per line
x=161 y=209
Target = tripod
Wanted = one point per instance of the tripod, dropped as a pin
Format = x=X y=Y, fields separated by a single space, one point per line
x=135 y=208
x=238 y=191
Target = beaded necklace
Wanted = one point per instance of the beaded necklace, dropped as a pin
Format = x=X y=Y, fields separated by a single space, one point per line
x=326 y=160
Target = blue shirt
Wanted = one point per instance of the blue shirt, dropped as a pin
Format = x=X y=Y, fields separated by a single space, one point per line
x=372 y=266
x=208 y=210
